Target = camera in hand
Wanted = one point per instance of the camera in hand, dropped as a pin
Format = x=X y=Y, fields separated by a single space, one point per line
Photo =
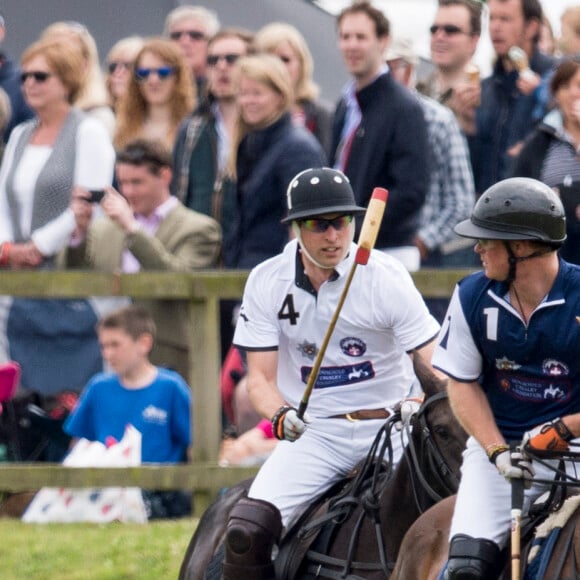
x=96 y=195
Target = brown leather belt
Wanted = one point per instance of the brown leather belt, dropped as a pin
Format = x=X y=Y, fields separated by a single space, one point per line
x=364 y=414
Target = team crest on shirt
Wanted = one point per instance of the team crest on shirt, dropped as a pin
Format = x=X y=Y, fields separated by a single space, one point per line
x=505 y=364
x=308 y=349
x=353 y=346
x=555 y=368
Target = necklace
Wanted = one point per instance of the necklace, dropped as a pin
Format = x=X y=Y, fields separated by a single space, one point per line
x=520 y=304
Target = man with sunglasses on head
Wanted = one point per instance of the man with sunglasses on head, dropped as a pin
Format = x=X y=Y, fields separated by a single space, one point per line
x=455 y=33
x=191 y=27
x=288 y=303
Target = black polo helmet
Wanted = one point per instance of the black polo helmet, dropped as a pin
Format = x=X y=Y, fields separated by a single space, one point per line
x=518 y=208
x=318 y=191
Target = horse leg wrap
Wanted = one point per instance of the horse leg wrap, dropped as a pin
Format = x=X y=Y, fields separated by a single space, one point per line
x=472 y=558
x=253 y=529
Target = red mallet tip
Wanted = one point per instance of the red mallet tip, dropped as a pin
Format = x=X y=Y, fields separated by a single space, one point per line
x=380 y=193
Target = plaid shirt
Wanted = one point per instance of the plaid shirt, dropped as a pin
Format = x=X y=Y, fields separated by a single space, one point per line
x=451 y=192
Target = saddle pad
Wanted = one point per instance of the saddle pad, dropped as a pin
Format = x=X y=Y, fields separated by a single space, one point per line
x=546 y=535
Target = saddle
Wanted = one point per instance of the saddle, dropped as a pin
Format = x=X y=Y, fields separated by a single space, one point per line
x=305 y=544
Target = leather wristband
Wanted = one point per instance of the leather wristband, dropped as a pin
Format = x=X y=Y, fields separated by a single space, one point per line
x=278 y=420
x=494 y=450
x=562 y=430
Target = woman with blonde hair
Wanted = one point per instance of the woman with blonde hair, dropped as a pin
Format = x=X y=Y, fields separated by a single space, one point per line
x=287 y=43
x=60 y=150
x=160 y=94
x=120 y=64
x=268 y=150
x=46 y=157
x=92 y=96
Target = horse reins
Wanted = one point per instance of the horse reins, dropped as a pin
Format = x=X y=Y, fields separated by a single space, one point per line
x=436 y=460
x=369 y=498
x=377 y=470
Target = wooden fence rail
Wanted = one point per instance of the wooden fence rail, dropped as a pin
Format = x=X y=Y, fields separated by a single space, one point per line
x=203 y=290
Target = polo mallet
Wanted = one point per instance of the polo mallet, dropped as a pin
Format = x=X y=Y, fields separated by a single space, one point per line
x=516 y=525
x=366 y=242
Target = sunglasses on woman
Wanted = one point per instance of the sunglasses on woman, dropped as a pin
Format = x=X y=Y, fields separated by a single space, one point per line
x=320 y=225
x=163 y=72
x=114 y=65
x=37 y=75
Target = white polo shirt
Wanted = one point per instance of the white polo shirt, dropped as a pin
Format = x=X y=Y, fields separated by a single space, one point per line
x=365 y=365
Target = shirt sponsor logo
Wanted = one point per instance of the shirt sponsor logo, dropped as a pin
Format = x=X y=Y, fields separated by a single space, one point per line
x=152 y=414
x=308 y=349
x=536 y=390
x=353 y=346
x=505 y=364
x=340 y=376
x=555 y=368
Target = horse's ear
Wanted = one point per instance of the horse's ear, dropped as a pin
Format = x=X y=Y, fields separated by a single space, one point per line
x=430 y=382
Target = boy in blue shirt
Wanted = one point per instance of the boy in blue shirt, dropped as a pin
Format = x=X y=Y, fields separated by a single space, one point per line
x=156 y=401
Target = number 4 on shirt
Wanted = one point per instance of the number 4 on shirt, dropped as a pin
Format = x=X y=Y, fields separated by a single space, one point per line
x=287 y=311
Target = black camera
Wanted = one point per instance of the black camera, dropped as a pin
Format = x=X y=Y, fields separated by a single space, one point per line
x=96 y=195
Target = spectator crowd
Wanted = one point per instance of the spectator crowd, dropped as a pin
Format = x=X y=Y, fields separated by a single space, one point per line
x=175 y=153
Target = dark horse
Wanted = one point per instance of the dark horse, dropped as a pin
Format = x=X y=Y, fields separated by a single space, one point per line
x=362 y=526
x=425 y=547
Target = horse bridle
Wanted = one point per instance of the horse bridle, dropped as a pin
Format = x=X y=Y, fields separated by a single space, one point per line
x=378 y=473
x=430 y=452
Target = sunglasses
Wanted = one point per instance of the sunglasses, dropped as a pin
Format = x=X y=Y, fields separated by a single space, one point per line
x=38 y=76
x=320 y=225
x=193 y=34
x=448 y=29
x=113 y=66
x=231 y=58
x=163 y=72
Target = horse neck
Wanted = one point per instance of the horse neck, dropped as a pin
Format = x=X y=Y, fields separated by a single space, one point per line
x=398 y=504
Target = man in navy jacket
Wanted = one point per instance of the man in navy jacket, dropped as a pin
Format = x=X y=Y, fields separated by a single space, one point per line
x=510 y=97
x=380 y=136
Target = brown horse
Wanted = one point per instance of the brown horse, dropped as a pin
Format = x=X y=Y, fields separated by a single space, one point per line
x=425 y=547
x=358 y=532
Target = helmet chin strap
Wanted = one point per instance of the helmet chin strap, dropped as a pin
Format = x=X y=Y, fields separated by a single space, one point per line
x=298 y=233
x=513 y=260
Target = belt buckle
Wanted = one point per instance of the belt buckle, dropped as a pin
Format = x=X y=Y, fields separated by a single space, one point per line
x=351 y=418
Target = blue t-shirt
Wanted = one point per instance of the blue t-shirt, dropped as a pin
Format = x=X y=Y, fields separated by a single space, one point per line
x=530 y=374
x=160 y=411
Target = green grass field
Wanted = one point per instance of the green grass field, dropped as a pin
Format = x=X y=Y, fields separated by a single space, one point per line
x=93 y=551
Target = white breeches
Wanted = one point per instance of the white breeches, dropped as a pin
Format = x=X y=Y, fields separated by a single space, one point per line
x=297 y=473
x=483 y=502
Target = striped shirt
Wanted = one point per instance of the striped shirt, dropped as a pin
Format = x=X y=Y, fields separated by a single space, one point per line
x=451 y=193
